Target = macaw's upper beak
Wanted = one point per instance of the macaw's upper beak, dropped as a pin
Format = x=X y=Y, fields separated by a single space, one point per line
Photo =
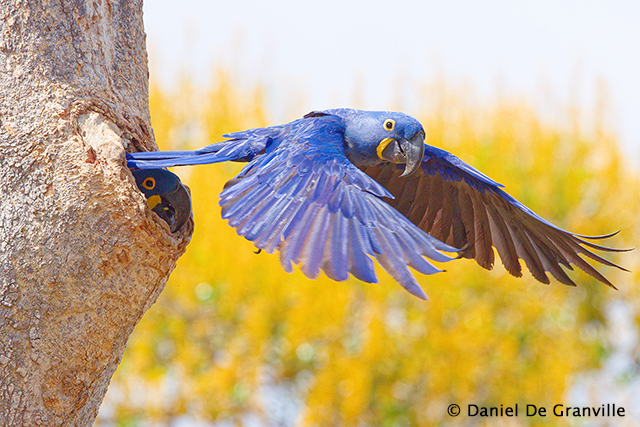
x=410 y=152
x=174 y=207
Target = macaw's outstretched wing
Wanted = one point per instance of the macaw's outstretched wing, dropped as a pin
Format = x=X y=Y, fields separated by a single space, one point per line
x=462 y=207
x=308 y=201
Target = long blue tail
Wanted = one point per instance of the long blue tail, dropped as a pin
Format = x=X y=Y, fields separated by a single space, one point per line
x=215 y=153
x=242 y=147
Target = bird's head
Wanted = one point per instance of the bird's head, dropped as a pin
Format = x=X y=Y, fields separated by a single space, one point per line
x=166 y=195
x=374 y=137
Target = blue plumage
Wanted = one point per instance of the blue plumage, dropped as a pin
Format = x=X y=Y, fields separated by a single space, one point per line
x=339 y=187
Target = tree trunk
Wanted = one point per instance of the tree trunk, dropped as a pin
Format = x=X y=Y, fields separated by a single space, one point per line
x=81 y=255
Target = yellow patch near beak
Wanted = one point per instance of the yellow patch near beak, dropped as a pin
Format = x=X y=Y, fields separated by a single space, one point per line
x=381 y=146
x=153 y=201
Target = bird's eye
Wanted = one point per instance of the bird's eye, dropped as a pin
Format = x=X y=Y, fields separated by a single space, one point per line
x=389 y=124
x=149 y=183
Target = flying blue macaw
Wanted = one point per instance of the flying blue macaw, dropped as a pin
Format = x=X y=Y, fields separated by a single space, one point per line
x=340 y=187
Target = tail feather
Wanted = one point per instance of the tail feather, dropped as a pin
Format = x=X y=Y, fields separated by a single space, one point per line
x=166 y=159
x=189 y=160
x=159 y=155
x=242 y=147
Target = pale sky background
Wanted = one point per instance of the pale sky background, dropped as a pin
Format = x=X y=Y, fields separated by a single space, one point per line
x=314 y=55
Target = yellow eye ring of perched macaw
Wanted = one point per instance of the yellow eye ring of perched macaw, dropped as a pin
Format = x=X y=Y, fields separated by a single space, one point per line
x=149 y=183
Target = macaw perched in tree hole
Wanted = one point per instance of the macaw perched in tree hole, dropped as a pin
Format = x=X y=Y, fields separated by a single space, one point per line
x=338 y=188
x=166 y=196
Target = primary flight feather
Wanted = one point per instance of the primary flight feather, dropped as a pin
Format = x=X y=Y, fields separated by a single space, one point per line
x=339 y=187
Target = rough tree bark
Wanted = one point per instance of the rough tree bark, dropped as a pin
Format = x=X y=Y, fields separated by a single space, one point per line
x=81 y=256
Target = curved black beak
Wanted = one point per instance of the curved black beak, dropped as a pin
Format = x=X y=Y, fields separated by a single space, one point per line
x=413 y=153
x=174 y=207
x=410 y=152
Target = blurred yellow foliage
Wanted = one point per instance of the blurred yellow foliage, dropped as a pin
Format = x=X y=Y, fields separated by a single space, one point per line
x=231 y=323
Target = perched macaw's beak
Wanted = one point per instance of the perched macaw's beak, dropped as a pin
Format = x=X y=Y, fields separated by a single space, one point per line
x=400 y=150
x=174 y=207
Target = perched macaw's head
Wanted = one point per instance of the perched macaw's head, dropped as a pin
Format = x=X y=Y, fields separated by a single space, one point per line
x=375 y=137
x=166 y=196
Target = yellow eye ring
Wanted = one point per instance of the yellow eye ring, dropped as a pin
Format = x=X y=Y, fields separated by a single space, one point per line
x=149 y=183
x=389 y=124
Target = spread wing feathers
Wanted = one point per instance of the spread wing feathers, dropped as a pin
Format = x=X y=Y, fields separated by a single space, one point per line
x=462 y=207
x=310 y=203
x=243 y=146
